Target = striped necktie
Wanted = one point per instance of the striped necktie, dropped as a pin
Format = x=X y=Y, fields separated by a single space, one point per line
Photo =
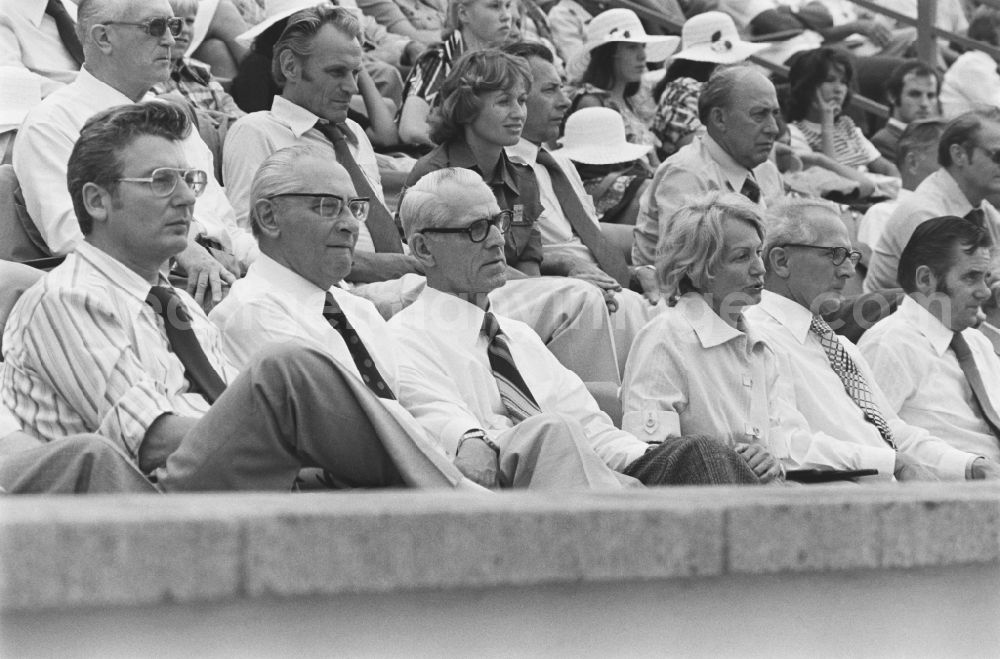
x=850 y=376
x=514 y=391
x=362 y=358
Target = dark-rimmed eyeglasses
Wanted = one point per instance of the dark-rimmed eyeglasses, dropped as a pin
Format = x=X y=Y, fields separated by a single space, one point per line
x=332 y=205
x=156 y=27
x=163 y=180
x=479 y=229
x=837 y=254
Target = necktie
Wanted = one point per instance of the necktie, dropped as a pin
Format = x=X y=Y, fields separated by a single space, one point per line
x=380 y=223
x=66 y=28
x=608 y=257
x=514 y=391
x=750 y=189
x=362 y=358
x=977 y=217
x=177 y=322
x=961 y=349
x=854 y=382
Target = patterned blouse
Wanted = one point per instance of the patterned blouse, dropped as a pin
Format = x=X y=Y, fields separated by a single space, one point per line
x=850 y=147
x=677 y=110
x=432 y=67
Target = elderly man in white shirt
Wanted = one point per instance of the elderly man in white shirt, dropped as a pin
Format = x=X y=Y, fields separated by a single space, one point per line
x=739 y=108
x=937 y=371
x=969 y=159
x=481 y=383
x=127 y=48
x=809 y=259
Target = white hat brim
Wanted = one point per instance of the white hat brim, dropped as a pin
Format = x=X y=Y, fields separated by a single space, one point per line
x=704 y=52
x=590 y=155
x=246 y=39
x=658 y=48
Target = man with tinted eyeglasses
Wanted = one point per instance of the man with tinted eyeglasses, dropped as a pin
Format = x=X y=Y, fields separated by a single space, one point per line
x=485 y=387
x=969 y=156
x=808 y=257
x=127 y=48
x=104 y=344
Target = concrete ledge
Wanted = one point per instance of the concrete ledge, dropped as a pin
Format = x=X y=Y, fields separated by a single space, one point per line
x=90 y=552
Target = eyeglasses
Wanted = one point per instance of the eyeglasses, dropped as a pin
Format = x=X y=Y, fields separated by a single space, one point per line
x=331 y=205
x=837 y=254
x=163 y=180
x=991 y=155
x=479 y=229
x=156 y=27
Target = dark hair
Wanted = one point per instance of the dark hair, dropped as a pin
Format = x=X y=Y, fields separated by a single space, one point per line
x=983 y=25
x=526 y=49
x=964 y=130
x=302 y=28
x=684 y=68
x=475 y=73
x=918 y=135
x=931 y=245
x=96 y=156
x=600 y=70
x=894 y=87
x=808 y=71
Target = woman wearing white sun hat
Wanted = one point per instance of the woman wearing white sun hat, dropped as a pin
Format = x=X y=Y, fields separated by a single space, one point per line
x=707 y=41
x=617 y=51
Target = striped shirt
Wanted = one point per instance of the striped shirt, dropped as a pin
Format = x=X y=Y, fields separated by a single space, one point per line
x=850 y=147
x=432 y=67
x=84 y=353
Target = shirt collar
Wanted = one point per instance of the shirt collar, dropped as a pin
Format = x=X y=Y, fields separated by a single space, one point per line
x=711 y=330
x=266 y=274
x=524 y=152
x=91 y=87
x=123 y=277
x=460 y=155
x=34 y=11
x=463 y=318
x=734 y=172
x=297 y=118
x=949 y=186
x=924 y=321
x=789 y=313
x=897 y=124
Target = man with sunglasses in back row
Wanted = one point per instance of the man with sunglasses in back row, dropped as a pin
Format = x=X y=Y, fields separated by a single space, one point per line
x=127 y=49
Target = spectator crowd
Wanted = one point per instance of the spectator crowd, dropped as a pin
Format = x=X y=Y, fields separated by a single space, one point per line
x=482 y=244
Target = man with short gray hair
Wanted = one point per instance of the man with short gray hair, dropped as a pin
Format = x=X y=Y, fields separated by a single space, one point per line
x=739 y=109
x=808 y=257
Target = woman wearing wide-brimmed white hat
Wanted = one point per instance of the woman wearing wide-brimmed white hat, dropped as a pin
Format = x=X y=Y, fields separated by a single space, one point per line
x=616 y=54
x=708 y=41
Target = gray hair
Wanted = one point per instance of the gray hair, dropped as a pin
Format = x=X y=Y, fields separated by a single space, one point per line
x=302 y=28
x=423 y=207
x=690 y=250
x=718 y=89
x=276 y=175
x=94 y=12
x=786 y=223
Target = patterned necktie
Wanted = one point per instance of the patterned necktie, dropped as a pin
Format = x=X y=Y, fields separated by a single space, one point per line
x=66 y=28
x=199 y=372
x=362 y=358
x=514 y=391
x=750 y=189
x=977 y=217
x=380 y=224
x=608 y=257
x=961 y=349
x=850 y=376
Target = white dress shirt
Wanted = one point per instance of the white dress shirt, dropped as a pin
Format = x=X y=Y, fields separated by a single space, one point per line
x=447 y=383
x=41 y=156
x=83 y=352
x=29 y=40
x=971 y=82
x=699 y=167
x=259 y=134
x=910 y=356
x=937 y=195
x=873 y=222
x=842 y=437
x=690 y=373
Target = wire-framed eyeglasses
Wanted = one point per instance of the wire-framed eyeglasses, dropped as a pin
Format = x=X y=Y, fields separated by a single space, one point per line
x=837 y=254
x=163 y=180
x=332 y=205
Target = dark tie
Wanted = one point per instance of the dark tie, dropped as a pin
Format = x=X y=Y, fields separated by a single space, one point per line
x=977 y=217
x=961 y=349
x=750 y=189
x=200 y=373
x=66 y=28
x=854 y=383
x=362 y=358
x=380 y=224
x=514 y=392
x=609 y=258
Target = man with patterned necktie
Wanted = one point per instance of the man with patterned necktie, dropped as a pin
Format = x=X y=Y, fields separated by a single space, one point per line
x=485 y=387
x=103 y=344
x=937 y=370
x=808 y=257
